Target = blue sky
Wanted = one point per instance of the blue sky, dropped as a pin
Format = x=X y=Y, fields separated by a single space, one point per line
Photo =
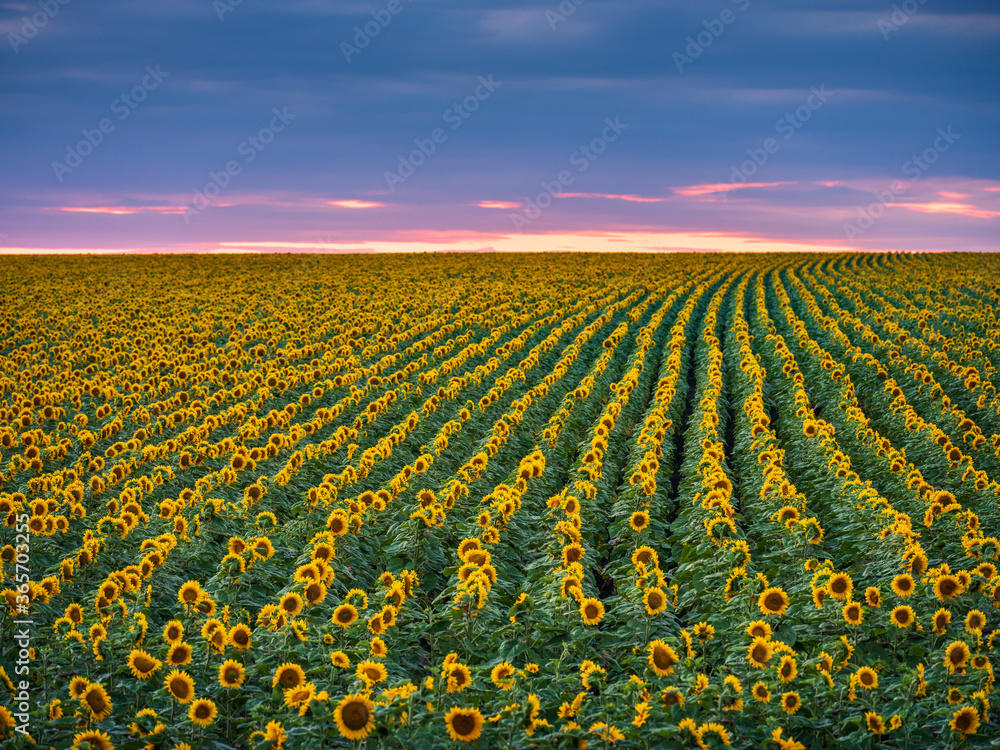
x=741 y=125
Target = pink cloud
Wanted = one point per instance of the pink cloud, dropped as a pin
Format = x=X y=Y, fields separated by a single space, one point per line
x=356 y=204
x=119 y=210
x=722 y=187
x=496 y=204
x=963 y=209
x=611 y=196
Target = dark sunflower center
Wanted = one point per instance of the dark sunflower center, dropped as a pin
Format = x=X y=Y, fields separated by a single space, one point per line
x=463 y=725
x=655 y=600
x=143 y=664
x=179 y=688
x=96 y=702
x=774 y=602
x=662 y=659
x=355 y=715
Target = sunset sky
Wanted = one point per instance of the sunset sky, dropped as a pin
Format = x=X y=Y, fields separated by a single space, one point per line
x=380 y=125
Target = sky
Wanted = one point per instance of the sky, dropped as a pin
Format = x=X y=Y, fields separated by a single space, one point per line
x=436 y=125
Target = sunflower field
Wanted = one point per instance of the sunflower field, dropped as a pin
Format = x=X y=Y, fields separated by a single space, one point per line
x=554 y=501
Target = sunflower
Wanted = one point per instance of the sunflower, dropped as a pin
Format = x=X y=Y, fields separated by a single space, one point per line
x=355 y=716
x=956 y=656
x=819 y=596
x=954 y=696
x=340 y=659
x=788 y=668
x=345 y=615
x=173 y=631
x=639 y=520
x=202 y=712
x=873 y=597
x=97 y=702
x=300 y=696
x=902 y=616
x=704 y=631
x=92 y=739
x=289 y=675
x=377 y=648
x=231 y=674
x=655 y=600
x=965 y=720
x=760 y=692
x=947 y=587
x=291 y=604
x=662 y=658
x=646 y=556
x=903 y=585
x=759 y=629
x=759 y=653
x=840 y=586
x=189 y=592
x=790 y=702
x=875 y=723
x=464 y=724
x=180 y=685
x=672 y=696
x=371 y=672
x=975 y=621
x=773 y=601
x=142 y=664
x=459 y=677
x=77 y=686
x=572 y=553
x=239 y=636
x=179 y=654
x=501 y=675
x=867 y=678
x=853 y=613
x=592 y=610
